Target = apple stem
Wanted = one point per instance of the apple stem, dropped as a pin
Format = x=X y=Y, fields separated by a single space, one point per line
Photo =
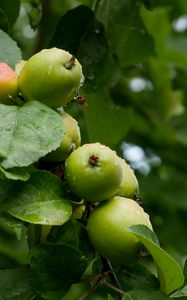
x=93 y=160
x=120 y=292
x=70 y=63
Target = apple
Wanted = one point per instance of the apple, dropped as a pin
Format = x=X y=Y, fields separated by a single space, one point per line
x=93 y=172
x=51 y=76
x=129 y=186
x=8 y=84
x=107 y=228
x=71 y=140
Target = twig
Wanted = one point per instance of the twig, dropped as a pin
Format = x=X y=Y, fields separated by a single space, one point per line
x=107 y=266
x=111 y=286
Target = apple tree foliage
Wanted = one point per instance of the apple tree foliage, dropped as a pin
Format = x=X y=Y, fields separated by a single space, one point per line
x=134 y=59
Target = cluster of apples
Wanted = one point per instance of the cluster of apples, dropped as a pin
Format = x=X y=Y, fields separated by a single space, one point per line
x=93 y=172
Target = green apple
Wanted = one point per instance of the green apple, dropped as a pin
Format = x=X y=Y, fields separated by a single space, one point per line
x=71 y=139
x=52 y=76
x=129 y=186
x=107 y=228
x=93 y=172
x=8 y=84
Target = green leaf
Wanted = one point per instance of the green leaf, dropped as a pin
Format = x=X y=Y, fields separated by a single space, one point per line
x=5 y=187
x=105 y=122
x=169 y=272
x=15 y=284
x=74 y=234
x=28 y=133
x=148 y=234
x=16 y=173
x=138 y=46
x=55 y=268
x=50 y=18
x=11 y=9
x=11 y=225
x=82 y=34
x=145 y=295
x=126 y=33
x=94 y=55
x=151 y=19
x=9 y=51
x=137 y=276
x=39 y=200
x=13 y=251
x=181 y=294
x=71 y=28
x=163 y=49
x=180 y=298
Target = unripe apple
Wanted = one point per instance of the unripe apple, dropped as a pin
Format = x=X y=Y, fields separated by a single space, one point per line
x=129 y=186
x=107 y=228
x=8 y=84
x=93 y=172
x=52 y=76
x=70 y=141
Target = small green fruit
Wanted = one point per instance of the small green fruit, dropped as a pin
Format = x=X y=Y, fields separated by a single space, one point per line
x=52 y=76
x=71 y=140
x=93 y=172
x=129 y=186
x=107 y=228
x=8 y=84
